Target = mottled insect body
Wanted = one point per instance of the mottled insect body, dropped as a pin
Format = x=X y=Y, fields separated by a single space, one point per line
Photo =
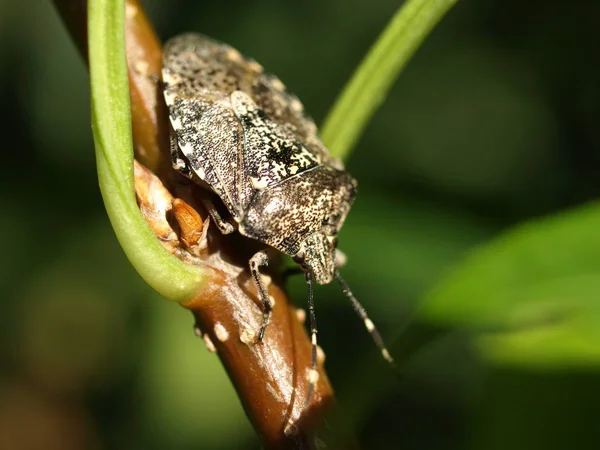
x=239 y=133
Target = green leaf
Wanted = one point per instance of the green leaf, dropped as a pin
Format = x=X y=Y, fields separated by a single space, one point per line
x=376 y=74
x=532 y=296
x=111 y=124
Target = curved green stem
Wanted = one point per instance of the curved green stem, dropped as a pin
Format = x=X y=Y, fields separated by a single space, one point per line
x=111 y=124
x=374 y=77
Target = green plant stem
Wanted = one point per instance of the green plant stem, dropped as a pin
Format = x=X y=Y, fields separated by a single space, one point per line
x=111 y=124
x=374 y=77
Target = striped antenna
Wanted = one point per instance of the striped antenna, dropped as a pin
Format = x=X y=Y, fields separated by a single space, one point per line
x=313 y=376
x=369 y=325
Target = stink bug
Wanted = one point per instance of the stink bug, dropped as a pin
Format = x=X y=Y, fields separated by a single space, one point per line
x=237 y=132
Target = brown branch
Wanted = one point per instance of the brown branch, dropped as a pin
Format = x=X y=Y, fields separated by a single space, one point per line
x=270 y=377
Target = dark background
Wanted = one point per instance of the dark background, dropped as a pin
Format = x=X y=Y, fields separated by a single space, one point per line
x=493 y=123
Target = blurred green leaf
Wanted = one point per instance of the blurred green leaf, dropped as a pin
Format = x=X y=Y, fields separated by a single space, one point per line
x=524 y=410
x=469 y=121
x=111 y=123
x=376 y=74
x=533 y=294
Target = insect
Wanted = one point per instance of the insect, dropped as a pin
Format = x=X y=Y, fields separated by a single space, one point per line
x=237 y=132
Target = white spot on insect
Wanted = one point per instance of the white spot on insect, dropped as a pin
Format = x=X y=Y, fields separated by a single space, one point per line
x=369 y=324
x=254 y=66
x=274 y=205
x=187 y=148
x=312 y=128
x=209 y=343
x=169 y=96
x=169 y=77
x=221 y=332
x=259 y=183
x=176 y=123
x=277 y=84
x=301 y=315
x=233 y=55
x=296 y=105
x=313 y=376
x=293 y=169
x=200 y=172
x=240 y=102
x=386 y=355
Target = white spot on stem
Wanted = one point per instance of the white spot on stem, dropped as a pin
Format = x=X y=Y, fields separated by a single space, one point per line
x=130 y=10
x=320 y=355
x=209 y=343
x=301 y=315
x=221 y=333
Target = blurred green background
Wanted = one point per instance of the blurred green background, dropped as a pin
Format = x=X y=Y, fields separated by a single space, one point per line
x=474 y=242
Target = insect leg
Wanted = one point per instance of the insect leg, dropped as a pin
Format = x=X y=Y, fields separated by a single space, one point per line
x=369 y=325
x=261 y=259
x=223 y=225
x=178 y=164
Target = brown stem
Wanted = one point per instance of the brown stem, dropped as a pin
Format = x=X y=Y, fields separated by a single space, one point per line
x=270 y=377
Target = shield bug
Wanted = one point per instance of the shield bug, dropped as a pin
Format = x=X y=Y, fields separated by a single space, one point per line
x=237 y=132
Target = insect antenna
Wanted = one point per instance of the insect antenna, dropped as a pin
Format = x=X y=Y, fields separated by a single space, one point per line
x=369 y=325
x=313 y=376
